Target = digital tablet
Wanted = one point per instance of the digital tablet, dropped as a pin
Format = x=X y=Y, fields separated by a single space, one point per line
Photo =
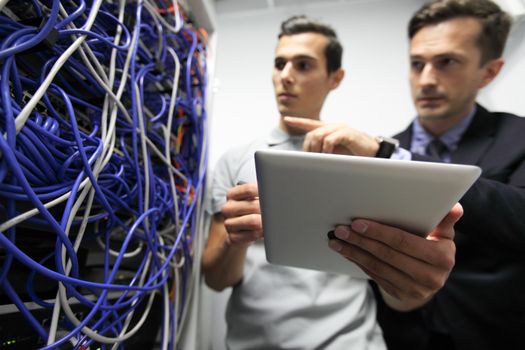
x=304 y=195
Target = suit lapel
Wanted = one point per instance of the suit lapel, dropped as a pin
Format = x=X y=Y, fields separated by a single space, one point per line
x=405 y=138
x=477 y=138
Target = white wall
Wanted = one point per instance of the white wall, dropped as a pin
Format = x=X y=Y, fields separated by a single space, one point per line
x=506 y=92
x=373 y=97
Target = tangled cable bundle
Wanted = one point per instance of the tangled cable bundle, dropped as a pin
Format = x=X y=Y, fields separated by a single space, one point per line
x=102 y=166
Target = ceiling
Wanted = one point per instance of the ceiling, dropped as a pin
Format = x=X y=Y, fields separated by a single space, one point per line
x=514 y=7
x=235 y=6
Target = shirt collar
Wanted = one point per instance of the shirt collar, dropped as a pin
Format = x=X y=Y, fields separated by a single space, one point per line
x=450 y=138
x=278 y=136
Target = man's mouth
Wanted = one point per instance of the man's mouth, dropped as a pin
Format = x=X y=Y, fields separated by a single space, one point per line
x=285 y=96
x=430 y=99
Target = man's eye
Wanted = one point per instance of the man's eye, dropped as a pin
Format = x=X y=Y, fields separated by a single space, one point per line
x=279 y=65
x=446 y=62
x=417 y=65
x=303 y=65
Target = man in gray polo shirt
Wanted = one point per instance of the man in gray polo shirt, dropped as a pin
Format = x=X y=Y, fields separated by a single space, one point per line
x=276 y=307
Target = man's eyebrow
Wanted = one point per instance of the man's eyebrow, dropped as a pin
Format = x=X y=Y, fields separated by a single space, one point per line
x=441 y=55
x=296 y=57
x=303 y=57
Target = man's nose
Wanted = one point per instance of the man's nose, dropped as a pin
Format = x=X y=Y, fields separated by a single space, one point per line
x=287 y=72
x=428 y=75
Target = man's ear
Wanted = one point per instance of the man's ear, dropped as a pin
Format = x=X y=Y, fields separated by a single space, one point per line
x=336 y=77
x=492 y=69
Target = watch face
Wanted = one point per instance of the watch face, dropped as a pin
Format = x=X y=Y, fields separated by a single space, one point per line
x=387 y=146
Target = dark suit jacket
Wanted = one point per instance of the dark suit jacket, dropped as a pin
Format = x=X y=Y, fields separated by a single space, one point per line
x=482 y=305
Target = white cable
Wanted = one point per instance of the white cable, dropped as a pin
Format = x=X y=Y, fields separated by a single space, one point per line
x=30 y=213
x=31 y=104
x=166 y=321
x=65 y=305
x=116 y=99
x=145 y=158
x=3 y=3
x=24 y=114
x=123 y=335
x=148 y=306
x=165 y=300
x=199 y=225
x=128 y=255
x=113 y=104
x=154 y=10
x=166 y=161
x=167 y=132
x=94 y=334
x=76 y=206
x=176 y=299
x=56 y=309
x=159 y=29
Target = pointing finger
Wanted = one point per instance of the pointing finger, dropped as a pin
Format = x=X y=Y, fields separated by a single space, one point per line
x=303 y=123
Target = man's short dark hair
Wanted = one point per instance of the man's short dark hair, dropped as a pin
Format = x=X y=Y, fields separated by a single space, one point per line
x=302 y=24
x=495 y=23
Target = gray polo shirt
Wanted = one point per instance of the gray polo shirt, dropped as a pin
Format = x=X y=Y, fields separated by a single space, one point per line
x=277 y=307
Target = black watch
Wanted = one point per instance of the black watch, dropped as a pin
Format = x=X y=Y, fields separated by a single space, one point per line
x=387 y=146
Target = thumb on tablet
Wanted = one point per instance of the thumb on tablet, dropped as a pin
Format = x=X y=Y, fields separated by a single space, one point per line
x=445 y=229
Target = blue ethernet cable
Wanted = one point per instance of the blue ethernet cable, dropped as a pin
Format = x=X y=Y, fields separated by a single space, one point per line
x=64 y=152
x=34 y=40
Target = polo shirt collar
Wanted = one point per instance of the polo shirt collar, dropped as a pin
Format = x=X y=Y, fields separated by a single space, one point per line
x=278 y=136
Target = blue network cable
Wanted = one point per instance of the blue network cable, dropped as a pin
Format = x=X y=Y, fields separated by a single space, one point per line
x=91 y=167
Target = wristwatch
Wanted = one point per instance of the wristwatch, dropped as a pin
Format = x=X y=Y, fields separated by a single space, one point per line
x=387 y=146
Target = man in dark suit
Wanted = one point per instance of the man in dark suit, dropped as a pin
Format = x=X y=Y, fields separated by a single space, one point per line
x=482 y=304
x=455 y=50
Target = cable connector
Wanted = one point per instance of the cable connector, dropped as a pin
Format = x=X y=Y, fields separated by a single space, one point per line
x=48 y=42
